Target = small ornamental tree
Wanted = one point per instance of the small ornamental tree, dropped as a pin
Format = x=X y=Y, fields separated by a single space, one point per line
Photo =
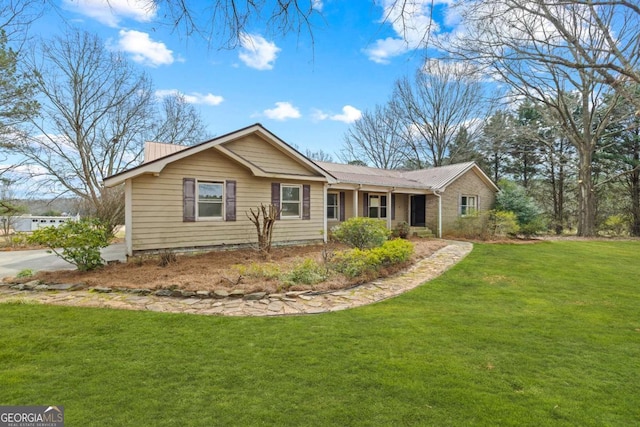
x=77 y=242
x=362 y=233
x=264 y=218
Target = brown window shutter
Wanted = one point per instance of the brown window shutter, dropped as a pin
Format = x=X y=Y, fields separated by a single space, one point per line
x=365 y=196
x=188 y=200
x=342 y=207
x=275 y=197
x=230 y=201
x=393 y=206
x=306 y=202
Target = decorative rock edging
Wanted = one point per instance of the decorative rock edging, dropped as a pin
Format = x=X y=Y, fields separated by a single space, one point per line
x=236 y=303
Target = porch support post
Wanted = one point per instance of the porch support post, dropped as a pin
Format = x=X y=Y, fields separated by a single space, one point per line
x=355 y=202
x=128 y=217
x=324 y=212
x=389 y=210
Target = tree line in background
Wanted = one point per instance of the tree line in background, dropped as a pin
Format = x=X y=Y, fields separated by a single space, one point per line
x=545 y=94
x=541 y=93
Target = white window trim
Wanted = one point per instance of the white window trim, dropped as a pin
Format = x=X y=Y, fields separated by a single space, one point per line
x=337 y=206
x=282 y=201
x=224 y=198
x=474 y=207
x=380 y=206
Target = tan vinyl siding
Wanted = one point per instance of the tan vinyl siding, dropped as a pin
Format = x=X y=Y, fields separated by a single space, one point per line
x=401 y=209
x=266 y=156
x=157 y=207
x=469 y=184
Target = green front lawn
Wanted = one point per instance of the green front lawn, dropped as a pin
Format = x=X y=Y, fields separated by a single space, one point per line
x=541 y=334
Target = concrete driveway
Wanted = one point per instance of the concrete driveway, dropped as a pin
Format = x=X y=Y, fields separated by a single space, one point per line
x=12 y=262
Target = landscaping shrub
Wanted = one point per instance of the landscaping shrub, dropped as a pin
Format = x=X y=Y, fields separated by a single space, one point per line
x=394 y=252
x=362 y=233
x=472 y=226
x=503 y=223
x=167 y=257
x=77 y=242
x=308 y=272
x=402 y=230
x=356 y=262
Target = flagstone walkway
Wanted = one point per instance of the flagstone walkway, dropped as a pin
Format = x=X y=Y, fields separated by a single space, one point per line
x=289 y=303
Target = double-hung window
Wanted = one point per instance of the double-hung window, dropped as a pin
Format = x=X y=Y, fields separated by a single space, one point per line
x=291 y=199
x=377 y=206
x=333 y=209
x=210 y=200
x=468 y=205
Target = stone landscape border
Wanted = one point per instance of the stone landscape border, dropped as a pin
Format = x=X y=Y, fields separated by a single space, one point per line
x=236 y=303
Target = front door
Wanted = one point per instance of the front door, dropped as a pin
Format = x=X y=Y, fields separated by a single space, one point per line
x=418 y=205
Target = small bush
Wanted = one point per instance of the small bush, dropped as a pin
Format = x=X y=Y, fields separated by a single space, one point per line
x=534 y=227
x=27 y=272
x=77 y=242
x=167 y=258
x=503 y=224
x=394 y=252
x=474 y=226
x=402 y=230
x=615 y=225
x=308 y=272
x=362 y=233
x=20 y=240
x=356 y=262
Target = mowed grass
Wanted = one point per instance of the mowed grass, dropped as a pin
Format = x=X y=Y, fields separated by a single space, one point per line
x=540 y=334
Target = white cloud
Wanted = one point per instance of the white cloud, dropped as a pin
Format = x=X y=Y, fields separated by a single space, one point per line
x=317 y=5
x=110 y=12
x=257 y=52
x=349 y=115
x=384 y=49
x=143 y=49
x=282 y=111
x=193 y=97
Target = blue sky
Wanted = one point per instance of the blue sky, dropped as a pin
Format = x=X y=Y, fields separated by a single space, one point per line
x=307 y=92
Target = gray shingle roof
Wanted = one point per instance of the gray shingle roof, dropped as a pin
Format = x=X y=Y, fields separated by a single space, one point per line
x=429 y=179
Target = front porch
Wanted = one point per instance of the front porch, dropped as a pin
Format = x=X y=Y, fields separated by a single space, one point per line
x=418 y=208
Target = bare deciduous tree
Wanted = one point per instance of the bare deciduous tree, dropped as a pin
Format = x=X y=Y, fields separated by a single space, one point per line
x=375 y=138
x=224 y=21
x=523 y=48
x=179 y=122
x=443 y=99
x=97 y=111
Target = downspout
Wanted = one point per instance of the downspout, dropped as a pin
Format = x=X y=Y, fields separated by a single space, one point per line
x=439 y=196
x=128 y=217
x=324 y=208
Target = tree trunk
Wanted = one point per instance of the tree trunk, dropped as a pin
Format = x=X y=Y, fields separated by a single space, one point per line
x=634 y=181
x=586 y=196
